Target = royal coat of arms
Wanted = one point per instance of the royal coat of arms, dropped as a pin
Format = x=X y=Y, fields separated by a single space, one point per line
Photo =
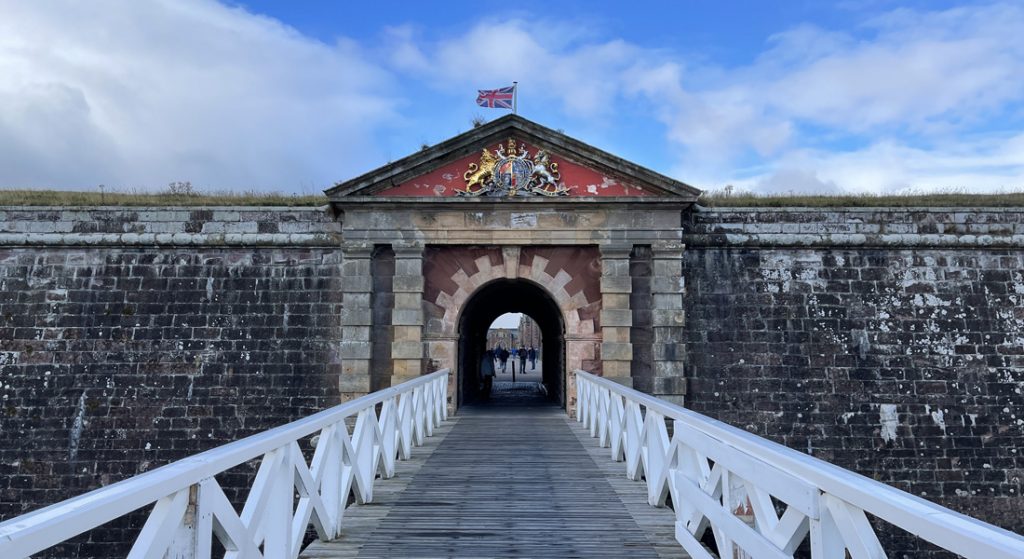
x=509 y=171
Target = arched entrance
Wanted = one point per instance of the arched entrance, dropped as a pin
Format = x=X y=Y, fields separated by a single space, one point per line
x=494 y=299
x=573 y=243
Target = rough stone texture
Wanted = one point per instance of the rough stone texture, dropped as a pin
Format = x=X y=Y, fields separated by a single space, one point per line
x=170 y=226
x=887 y=341
x=641 y=333
x=382 y=302
x=116 y=360
x=905 y=365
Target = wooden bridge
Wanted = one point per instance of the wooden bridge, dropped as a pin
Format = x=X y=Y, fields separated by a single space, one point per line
x=514 y=477
x=629 y=476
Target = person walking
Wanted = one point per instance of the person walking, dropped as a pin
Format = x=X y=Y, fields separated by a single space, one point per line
x=503 y=357
x=522 y=359
x=486 y=374
x=533 y=358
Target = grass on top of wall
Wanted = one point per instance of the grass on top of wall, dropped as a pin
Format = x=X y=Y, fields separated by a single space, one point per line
x=178 y=196
x=183 y=194
x=727 y=198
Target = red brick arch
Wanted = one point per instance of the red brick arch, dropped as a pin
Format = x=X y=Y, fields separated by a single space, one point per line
x=569 y=275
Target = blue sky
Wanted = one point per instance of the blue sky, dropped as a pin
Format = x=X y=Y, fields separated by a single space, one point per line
x=801 y=96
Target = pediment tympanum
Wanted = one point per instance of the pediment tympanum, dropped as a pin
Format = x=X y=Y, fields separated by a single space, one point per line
x=512 y=157
x=514 y=168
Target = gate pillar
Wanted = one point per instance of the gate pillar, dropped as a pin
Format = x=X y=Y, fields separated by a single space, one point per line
x=407 y=316
x=356 y=321
x=668 y=319
x=616 y=316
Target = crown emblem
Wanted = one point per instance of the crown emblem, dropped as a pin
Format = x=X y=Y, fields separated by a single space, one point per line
x=510 y=171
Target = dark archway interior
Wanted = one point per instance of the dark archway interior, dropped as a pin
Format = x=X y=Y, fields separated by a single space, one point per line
x=490 y=302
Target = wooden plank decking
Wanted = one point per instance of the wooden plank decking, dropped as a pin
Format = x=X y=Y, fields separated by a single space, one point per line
x=516 y=478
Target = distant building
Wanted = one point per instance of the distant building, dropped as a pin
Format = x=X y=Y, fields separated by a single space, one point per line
x=504 y=337
x=529 y=332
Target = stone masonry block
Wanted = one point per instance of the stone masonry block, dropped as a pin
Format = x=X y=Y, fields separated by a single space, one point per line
x=409 y=267
x=668 y=317
x=668 y=351
x=406 y=369
x=407 y=317
x=358 y=284
x=670 y=385
x=356 y=333
x=354 y=350
x=669 y=334
x=619 y=372
x=615 y=300
x=407 y=350
x=667 y=284
x=356 y=267
x=356 y=300
x=356 y=317
x=407 y=284
x=408 y=300
x=406 y=333
x=667 y=301
x=614 y=267
x=667 y=268
x=616 y=351
x=616 y=284
x=668 y=369
x=616 y=317
x=615 y=334
x=353 y=383
x=355 y=368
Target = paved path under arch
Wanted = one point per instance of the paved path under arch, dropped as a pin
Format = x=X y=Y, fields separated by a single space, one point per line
x=515 y=478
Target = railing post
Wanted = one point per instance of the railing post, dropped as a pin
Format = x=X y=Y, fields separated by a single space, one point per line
x=826 y=540
x=183 y=546
x=581 y=399
x=388 y=434
x=330 y=477
x=277 y=521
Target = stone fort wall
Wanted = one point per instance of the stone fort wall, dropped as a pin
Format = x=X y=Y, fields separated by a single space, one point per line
x=133 y=338
x=889 y=342
x=886 y=341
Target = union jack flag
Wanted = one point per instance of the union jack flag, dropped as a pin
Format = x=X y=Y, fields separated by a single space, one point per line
x=496 y=98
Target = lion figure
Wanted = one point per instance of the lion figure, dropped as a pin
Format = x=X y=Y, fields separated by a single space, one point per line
x=478 y=175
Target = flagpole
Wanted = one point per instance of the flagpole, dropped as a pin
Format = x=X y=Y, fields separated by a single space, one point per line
x=515 y=96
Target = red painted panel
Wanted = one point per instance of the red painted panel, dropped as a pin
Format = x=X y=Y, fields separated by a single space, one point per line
x=580 y=180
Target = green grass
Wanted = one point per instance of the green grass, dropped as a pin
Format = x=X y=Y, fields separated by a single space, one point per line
x=723 y=199
x=167 y=198
x=183 y=195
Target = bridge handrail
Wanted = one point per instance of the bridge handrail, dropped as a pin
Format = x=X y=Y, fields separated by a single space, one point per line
x=824 y=500
x=186 y=492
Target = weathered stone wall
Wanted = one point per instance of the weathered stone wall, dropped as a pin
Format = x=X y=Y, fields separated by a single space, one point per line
x=886 y=341
x=890 y=342
x=133 y=338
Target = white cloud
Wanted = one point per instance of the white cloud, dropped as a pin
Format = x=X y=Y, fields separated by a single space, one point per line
x=988 y=164
x=552 y=61
x=926 y=90
x=909 y=84
x=138 y=94
x=143 y=93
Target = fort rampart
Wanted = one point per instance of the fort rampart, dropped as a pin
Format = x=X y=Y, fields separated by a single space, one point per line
x=888 y=341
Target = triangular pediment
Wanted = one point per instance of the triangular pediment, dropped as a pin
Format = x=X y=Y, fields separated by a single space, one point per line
x=512 y=154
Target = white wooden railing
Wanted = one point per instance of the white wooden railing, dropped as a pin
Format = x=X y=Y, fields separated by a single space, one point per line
x=191 y=508
x=705 y=463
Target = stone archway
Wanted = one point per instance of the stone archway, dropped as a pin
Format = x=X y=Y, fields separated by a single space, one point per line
x=422 y=234
x=569 y=277
x=492 y=300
